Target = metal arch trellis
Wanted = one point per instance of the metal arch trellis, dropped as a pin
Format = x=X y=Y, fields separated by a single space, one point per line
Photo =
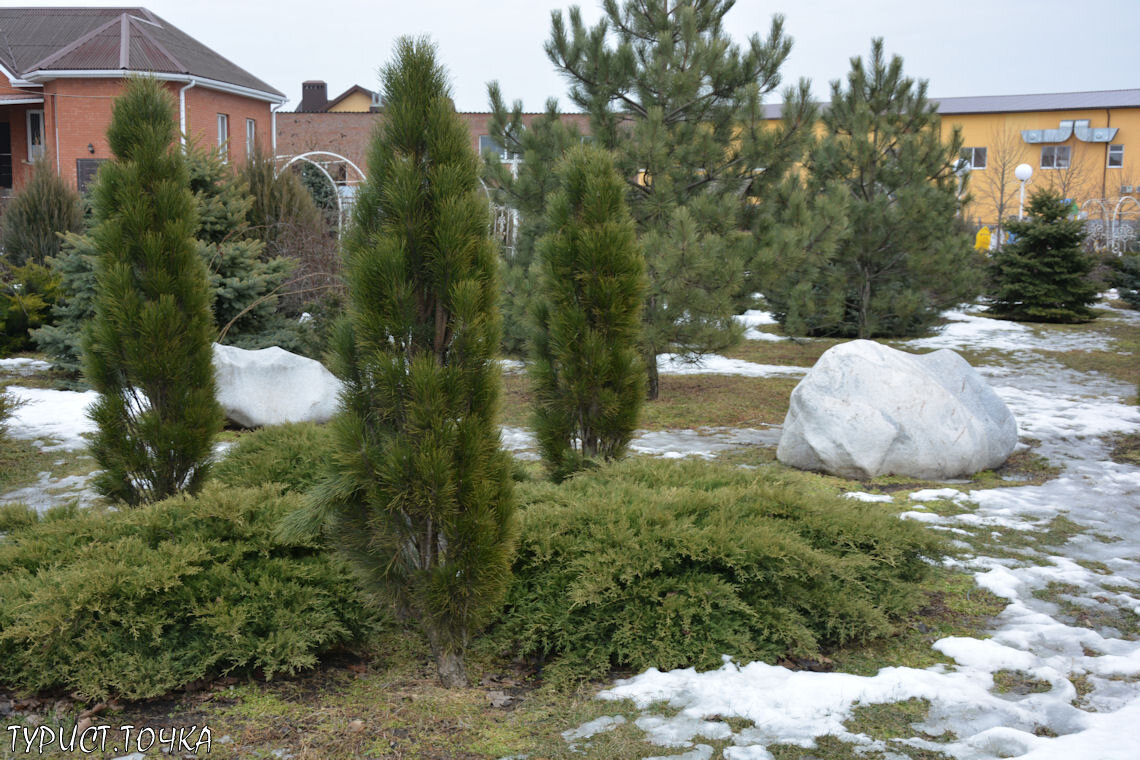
x=345 y=188
x=1113 y=231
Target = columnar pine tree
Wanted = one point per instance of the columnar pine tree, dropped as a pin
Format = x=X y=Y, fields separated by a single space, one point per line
x=588 y=376
x=148 y=350
x=1043 y=276
x=904 y=255
x=679 y=106
x=421 y=496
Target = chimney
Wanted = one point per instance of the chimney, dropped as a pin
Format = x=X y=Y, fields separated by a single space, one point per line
x=314 y=96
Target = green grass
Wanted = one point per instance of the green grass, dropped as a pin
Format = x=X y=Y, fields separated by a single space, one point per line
x=685 y=401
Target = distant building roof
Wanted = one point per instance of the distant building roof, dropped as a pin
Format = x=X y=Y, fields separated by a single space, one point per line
x=1057 y=101
x=40 y=44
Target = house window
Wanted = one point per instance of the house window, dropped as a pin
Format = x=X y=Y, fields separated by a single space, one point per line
x=1055 y=156
x=250 y=137
x=223 y=135
x=35 y=135
x=976 y=157
x=1115 y=156
x=488 y=146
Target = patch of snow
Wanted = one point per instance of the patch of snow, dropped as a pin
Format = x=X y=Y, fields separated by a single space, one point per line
x=872 y=497
x=23 y=366
x=59 y=418
x=755 y=318
x=48 y=492
x=705 y=442
x=714 y=364
x=937 y=494
x=593 y=727
x=972 y=331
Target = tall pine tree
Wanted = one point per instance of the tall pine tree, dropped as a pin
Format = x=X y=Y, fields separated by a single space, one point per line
x=421 y=496
x=903 y=256
x=1043 y=276
x=679 y=105
x=148 y=350
x=588 y=377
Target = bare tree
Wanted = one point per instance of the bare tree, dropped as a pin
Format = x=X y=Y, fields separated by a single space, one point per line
x=1077 y=179
x=995 y=188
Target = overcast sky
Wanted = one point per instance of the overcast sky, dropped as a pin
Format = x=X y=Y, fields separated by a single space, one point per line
x=962 y=47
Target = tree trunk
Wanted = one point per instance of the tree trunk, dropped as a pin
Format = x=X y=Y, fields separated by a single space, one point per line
x=865 y=307
x=448 y=664
x=653 y=383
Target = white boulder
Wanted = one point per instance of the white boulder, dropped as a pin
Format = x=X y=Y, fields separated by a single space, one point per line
x=866 y=409
x=272 y=386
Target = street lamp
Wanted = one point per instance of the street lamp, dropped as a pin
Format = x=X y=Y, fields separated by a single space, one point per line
x=1023 y=172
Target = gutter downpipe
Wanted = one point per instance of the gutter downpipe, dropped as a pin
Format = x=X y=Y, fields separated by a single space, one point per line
x=55 y=125
x=182 y=110
x=273 y=125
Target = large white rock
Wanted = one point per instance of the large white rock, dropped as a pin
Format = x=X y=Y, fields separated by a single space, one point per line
x=866 y=410
x=272 y=386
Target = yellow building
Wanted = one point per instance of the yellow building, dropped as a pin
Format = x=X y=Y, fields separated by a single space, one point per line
x=1085 y=145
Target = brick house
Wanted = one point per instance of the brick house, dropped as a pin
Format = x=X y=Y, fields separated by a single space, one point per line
x=344 y=124
x=61 y=68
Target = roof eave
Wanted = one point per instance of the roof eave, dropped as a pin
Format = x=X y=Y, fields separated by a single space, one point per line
x=48 y=75
x=15 y=79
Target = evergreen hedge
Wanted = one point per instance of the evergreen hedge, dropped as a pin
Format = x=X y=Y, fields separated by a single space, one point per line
x=137 y=603
x=657 y=563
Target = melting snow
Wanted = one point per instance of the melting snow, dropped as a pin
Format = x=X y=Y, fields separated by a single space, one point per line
x=23 y=366
x=1098 y=572
x=56 y=416
x=714 y=364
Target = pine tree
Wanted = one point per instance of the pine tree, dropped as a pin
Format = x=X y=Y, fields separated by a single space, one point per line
x=1043 y=276
x=36 y=217
x=1126 y=278
x=679 y=106
x=524 y=187
x=904 y=256
x=148 y=350
x=421 y=496
x=588 y=378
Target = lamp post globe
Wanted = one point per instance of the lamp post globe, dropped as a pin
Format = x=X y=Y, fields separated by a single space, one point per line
x=1023 y=172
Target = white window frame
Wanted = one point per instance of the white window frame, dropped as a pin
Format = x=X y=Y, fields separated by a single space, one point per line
x=971 y=155
x=224 y=135
x=250 y=137
x=36 y=152
x=1116 y=151
x=1055 y=160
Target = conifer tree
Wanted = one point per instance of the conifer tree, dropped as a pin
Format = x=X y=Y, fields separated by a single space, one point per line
x=1043 y=276
x=243 y=280
x=588 y=377
x=524 y=186
x=679 y=106
x=420 y=498
x=148 y=350
x=37 y=216
x=903 y=256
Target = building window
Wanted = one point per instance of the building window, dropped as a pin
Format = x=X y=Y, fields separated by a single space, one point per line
x=1055 y=156
x=35 y=135
x=976 y=157
x=1115 y=156
x=223 y=135
x=250 y=137
x=488 y=146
